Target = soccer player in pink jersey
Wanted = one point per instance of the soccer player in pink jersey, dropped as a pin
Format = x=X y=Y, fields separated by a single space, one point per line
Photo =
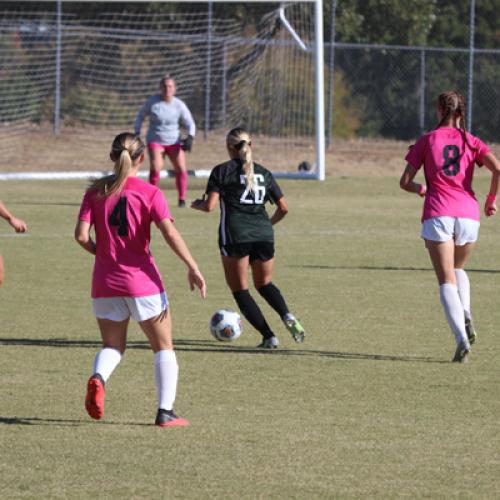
x=450 y=220
x=19 y=227
x=126 y=281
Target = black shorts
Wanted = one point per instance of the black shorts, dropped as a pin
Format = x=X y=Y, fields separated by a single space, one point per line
x=256 y=250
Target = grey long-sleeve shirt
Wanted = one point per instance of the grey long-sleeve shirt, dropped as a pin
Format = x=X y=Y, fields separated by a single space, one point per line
x=165 y=119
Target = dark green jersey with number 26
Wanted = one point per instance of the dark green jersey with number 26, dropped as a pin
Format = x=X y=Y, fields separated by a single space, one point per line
x=243 y=217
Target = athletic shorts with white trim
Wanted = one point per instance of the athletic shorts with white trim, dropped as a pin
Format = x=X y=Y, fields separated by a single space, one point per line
x=121 y=308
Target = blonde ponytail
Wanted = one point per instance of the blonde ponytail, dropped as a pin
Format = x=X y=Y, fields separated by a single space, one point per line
x=122 y=171
x=125 y=150
x=246 y=157
x=238 y=141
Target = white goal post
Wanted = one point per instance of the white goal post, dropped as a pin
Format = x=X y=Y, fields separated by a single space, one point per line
x=68 y=82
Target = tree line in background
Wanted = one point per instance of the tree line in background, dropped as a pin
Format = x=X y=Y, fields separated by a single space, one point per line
x=387 y=84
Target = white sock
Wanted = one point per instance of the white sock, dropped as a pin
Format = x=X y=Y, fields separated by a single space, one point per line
x=454 y=312
x=166 y=374
x=463 y=286
x=106 y=361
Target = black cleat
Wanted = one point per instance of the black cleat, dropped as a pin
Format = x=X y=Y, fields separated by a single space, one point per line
x=461 y=354
x=167 y=418
x=471 y=331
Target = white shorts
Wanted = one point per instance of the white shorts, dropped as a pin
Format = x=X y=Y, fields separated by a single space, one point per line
x=462 y=230
x=121 y=308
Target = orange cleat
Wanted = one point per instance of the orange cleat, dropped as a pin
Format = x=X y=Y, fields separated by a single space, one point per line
x=94 y=401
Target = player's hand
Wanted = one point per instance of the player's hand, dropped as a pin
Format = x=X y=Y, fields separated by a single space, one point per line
x=196 y=279
x=199 y=204
x=187 y=143
x=490 y=208
x=18 y=225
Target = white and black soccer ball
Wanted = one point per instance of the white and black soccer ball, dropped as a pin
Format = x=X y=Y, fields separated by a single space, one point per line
x=225 y=325
x=304 y=166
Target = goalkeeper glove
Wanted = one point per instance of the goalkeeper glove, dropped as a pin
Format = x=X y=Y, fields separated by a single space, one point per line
x=187 y=143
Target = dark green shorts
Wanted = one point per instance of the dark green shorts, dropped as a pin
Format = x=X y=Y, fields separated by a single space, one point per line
x=256 y=250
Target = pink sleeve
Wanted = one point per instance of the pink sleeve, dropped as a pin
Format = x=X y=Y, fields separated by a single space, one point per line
x=415 y=157
x=482 y=150
x=159 y=208
x=86 y=213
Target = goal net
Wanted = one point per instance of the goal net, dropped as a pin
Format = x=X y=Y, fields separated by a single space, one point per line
x=69 y=83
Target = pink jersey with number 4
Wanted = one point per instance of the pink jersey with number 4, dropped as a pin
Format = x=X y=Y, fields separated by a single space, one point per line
x=448 y=168
x=124 y=266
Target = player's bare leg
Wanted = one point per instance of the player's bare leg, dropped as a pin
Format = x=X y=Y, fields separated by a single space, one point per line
x=156 y=160
x=442 y=254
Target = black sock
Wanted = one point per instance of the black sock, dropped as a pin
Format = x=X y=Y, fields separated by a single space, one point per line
x=273 y=297
x=252 y=312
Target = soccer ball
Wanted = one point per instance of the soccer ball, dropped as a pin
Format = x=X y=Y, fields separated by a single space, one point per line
x=225 y=325
x=304 y=166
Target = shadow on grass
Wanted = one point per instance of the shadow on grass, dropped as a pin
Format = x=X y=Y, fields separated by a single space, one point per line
x=64 y=422
x=94 y=344
x=385 y=268
x=211 y=346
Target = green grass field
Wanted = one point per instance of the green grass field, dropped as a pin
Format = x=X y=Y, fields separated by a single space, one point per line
x=370 y=406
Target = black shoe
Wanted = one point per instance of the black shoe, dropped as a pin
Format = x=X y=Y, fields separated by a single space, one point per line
x=471 y=331
x=461 y=354
x=167 y=418
x=181 y=204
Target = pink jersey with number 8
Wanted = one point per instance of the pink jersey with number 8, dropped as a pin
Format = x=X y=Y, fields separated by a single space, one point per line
x=124 y=266
x=449 y=169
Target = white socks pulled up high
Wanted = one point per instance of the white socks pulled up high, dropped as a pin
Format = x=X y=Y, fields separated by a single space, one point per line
x=454 y=312
x=463 y=286
x=106 y=361
x=166 y=374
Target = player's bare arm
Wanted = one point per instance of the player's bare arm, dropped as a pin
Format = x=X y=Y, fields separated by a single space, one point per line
x=18 y=224
x=281 y=210
x=178 y=245
x=492 y=164
x=83 y=238
x=207 y=203
x=406 y=182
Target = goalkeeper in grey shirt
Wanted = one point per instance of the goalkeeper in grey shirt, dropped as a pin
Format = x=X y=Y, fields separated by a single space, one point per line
x=166 y=115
